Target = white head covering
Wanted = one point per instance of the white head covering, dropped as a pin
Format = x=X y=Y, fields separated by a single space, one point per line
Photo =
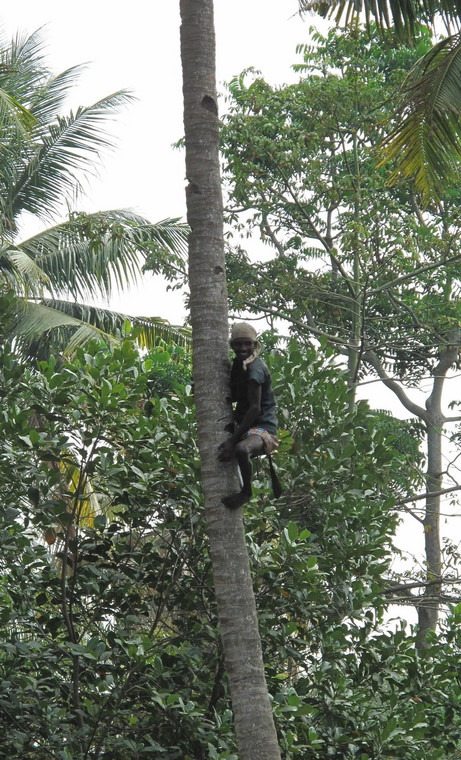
x=244 y=330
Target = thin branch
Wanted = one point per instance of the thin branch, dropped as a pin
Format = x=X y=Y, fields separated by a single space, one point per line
x=309 y=327
x=370 y=357
x=411 y=314
x=420 y=584
x=416 y=209
x=447 y=359
x=420 y=496
x=416 y=273
x=318 y=235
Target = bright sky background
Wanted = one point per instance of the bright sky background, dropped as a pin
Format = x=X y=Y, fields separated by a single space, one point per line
x=136 y=46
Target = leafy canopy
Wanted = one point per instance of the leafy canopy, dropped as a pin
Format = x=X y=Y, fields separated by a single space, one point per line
x=109 y=643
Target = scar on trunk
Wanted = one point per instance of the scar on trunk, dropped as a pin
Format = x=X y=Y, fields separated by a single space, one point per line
x=192 y=189
x=209 y=104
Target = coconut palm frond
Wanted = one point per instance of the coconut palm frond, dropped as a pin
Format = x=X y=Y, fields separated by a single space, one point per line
x=83 y=335
x=171 y=234
x=149 y=330
x=47 y=101
x=40 y=329
x=14 y=116
x=32 y=278
x=62 y=325
x=426 y=144
x=25 y=75
x=155 y=329
x=35 y=318
x=400 y=16
x=95 y=252
x=80 y=261
x=71 y=145
x=90 y=254
x=22 y=64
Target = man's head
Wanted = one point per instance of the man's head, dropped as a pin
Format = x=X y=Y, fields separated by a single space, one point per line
x=243 y=340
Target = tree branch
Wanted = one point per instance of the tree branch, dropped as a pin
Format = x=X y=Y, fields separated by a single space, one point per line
x=419 y=584
x=416 y=273
x=371 y=358
x=424 y=495
x=447 y=359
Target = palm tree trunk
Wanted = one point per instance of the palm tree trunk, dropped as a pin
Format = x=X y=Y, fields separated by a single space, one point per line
x=234 y=593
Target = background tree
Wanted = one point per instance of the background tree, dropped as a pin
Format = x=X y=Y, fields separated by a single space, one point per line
x=43 y=160
x=300 y=161
x=425 y=139
x=208 y=307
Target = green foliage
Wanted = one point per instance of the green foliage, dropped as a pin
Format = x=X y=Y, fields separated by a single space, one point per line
x=109 y=645
x=425 y=141
x=351 y=259
x=95 y=650
x=345 y=685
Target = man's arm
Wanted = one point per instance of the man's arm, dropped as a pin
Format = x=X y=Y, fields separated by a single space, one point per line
x=226 y=449
x=251 y=414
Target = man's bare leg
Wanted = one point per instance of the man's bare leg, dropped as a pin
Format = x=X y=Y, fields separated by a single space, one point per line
x=245 y=450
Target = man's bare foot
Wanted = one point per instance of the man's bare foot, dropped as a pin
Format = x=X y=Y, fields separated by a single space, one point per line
x=236 y=500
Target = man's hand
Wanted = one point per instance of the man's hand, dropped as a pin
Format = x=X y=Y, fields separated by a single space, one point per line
x=226 y=451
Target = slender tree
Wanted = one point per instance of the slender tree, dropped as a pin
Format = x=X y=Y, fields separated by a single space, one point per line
x=234 y=593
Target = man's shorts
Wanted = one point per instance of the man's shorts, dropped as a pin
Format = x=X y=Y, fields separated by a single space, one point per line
x=270 y=441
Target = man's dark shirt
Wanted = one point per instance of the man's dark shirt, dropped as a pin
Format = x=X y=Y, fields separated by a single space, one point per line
x=240 y=378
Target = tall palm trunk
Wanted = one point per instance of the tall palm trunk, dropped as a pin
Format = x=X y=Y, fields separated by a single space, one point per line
x=234 y=593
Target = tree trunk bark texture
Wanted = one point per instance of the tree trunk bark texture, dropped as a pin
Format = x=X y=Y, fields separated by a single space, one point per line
x=434 y=418
x=236 y=607
x=428 y=609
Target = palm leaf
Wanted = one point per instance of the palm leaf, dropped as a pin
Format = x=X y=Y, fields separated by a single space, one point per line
x=148 y=330
x=46 y=101
x=401 y=16
x=28 y=277
x=63 y=326
x=95 y=252
x=34 y=319
x=13 y=115
x=22 y=66
x=426 y=144
x=91 y=254
x=70 y=146
x=25 y=75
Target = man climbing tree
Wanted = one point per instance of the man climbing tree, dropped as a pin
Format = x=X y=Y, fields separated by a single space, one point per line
x=254 y=724
x=255 y=413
